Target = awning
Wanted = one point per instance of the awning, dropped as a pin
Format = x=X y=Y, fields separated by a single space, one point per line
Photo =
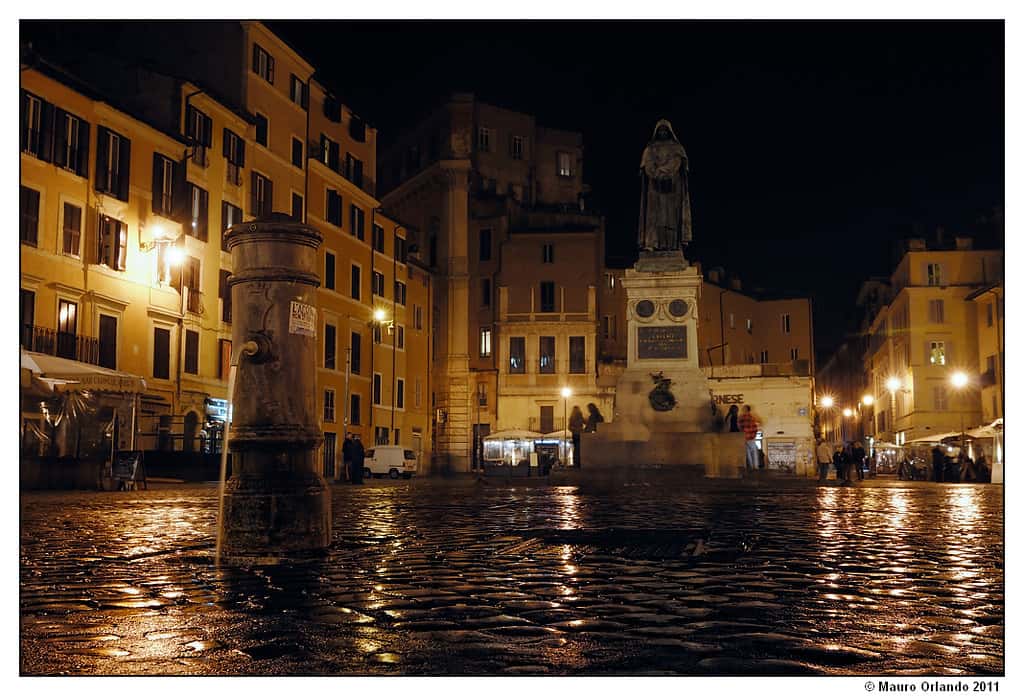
x=69 y=375
x=993 y=429
x=514 y=435
x=933 y=439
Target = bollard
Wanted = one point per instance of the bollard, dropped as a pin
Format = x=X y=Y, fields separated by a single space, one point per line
x=276 y=504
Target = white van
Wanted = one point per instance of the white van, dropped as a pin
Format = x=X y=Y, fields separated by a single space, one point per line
x=390 y=460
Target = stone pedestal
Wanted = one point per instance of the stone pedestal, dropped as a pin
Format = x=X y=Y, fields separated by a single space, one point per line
x=662 y=415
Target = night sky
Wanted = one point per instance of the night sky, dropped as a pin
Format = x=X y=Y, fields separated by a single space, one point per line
x=812 y=145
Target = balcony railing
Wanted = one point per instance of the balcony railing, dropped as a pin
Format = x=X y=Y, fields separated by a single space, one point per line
x=61 y=344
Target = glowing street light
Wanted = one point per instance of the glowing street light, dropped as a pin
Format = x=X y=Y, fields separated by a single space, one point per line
x=867 y=399
x=847 y=412
x=959 y=380
x=827 y=402
x=893 y=384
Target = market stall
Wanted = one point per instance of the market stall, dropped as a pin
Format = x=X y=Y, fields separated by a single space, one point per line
x=511 y=453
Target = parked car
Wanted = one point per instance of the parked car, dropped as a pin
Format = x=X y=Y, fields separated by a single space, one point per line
x=390 y=460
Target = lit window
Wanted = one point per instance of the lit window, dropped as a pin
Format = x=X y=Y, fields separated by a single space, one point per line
x=934 y=274
x=565 y=164
x=937 y=353
x=485 y=343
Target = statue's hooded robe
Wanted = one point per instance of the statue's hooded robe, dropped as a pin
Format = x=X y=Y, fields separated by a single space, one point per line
x=665 y=222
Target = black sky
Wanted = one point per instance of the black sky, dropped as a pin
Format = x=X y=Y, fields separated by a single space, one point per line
x=812 y=145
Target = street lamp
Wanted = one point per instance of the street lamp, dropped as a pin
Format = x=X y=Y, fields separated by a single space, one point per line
x=826 y=402
x=566 y=393
x=959 y=380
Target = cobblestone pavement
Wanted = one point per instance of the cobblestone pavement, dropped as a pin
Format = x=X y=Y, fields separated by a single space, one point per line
x=436 y=577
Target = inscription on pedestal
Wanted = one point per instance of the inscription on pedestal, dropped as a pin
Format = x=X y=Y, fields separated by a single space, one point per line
x=654 y=342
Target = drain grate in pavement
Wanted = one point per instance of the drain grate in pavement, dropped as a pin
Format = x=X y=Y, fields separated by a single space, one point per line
x=642 y=544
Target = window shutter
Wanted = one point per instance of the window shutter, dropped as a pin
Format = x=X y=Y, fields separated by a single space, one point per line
x=207 y=131
x=255 y=58
x=82 y=165
x=124 y=169
x=46 y=123
x=181 y=205
x=102 y=146
x=225 y=145
x=60 y=139
x=24 y=125
x=253 y=199
x=268 y=201
x=158 y=184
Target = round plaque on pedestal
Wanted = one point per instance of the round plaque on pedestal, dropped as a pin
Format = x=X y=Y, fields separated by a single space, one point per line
x=677 y=308
x=644 y=308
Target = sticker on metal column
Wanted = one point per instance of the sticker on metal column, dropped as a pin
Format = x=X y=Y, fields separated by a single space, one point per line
x=302 y=319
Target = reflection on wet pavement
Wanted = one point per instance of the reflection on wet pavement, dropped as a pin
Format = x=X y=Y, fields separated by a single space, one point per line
x=433 y=577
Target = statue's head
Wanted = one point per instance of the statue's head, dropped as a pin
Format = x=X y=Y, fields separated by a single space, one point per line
x=663 y=131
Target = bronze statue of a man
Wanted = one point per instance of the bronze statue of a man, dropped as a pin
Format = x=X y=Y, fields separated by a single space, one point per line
x=665 y=222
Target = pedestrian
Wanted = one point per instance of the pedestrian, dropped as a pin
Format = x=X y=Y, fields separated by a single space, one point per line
x=840 y=461
x=954 y=466
x=346 y=457
x=982 y=471
x=732 y=419
x=748 y=423
x=358 y=454
x=858 y=459
x=938 y=463
x=593 y=418
x=824 y=457
x=576 y=424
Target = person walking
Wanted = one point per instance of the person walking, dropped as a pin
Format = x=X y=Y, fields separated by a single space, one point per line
x=358 y=454
x=858 y=457
x=576 y=424
x=840 y=461
x=732 y=419
x=824 y=457
x=938 y=463
x=593 y=418
x=749 y=425
x=346 y=457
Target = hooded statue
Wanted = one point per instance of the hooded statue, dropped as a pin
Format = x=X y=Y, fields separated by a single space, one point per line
x=665 y=223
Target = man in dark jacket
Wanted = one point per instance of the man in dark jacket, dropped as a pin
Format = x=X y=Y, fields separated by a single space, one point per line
x=346 y=456
x=358 y=454
x=938 y=463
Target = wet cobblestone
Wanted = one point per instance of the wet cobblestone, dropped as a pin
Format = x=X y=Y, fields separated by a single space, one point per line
x=435 y=577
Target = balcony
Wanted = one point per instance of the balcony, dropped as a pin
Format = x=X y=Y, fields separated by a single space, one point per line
x=61 y=344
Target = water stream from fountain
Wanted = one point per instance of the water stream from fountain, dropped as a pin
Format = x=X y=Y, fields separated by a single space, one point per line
x=224 y=465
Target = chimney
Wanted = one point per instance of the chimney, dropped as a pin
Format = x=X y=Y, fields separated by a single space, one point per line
x=715 y=275
x=964 y=243
x=916 y=244
x=735 y=284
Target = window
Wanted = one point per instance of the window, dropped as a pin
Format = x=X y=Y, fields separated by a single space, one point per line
x=71 y=143
x=229 y=215
x=355 y=290
x=764 y=356
x=329 y=405
x=297 y=153
x=199 y=130
x=939 y=395
x=548 y=253
x=377 y=334
x=199 y=213
x=333 y=207
x=934 y=274
x=234 y=153
x=112 y=242
x=262 y=196
x=378 y=283
x=262 y=130
x=330 y=347
x=192 y=352
x=36 y=116
x=163 y=185
x=794 y=353
x=330 y=153
x=28 y=318
x=481 y=393
x=113 y=163
x=517 y=148
x=224 y=290
x=785 y=323
x=750 y=326
x=378 y=238
x=485 y=292
x=354 y=169
x=376 y=388
x=161 y=353
x=400 y=289
x=485 y=244
x=936 y=311
x=483 y=139
x=224 y=363
x=192 y=279
x=262 y=63
x=565 y=164
x=400 y=249
x=547 y=296
x=353 y=409
x=608 y=327
x=577 y=354
x=485 y=342
x=547 y=418
x=399 y=394
x=29 y=216
x=108 y=342
x=332 y=108
x=517 y=355
x=547 y=354
x=400 y=337
x=329 y=270
x=67 y=329
x=330 y=452
x=380 y=435
x=937 y=352
x=358 y=220
x=417 y=317
x=298 y=91
x=988 y=314
x=356 y=354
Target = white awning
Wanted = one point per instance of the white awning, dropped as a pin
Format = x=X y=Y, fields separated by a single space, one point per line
x=69 y=375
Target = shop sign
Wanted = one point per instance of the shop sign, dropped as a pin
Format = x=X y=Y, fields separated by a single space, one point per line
x=728 y=399
x=217 y=409
x=302 y=319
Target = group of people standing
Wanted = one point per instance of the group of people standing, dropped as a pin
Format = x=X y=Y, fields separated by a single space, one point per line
x=847 y=461
x=353 y=454
x=959 y=469
x=579 y=425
